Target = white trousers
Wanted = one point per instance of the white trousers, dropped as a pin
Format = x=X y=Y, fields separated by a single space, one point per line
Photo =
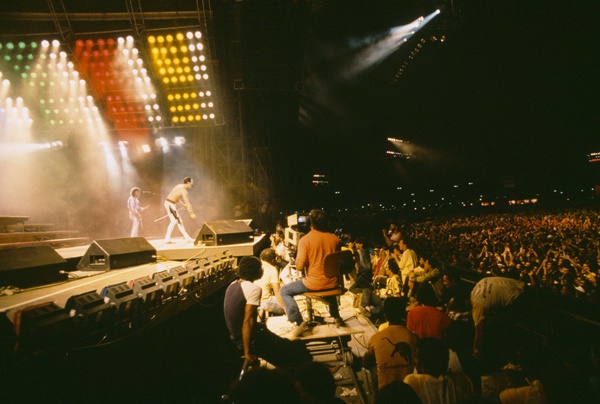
x=136 y=226
x=175 y=220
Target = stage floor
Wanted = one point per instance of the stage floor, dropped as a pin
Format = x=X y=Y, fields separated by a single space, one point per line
x=181 y=250
x=169 y=255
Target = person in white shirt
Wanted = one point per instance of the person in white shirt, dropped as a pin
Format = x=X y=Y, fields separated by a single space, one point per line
x=407 y=263
x=269 y=282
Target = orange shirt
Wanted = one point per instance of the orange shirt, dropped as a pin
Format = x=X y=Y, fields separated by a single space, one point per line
x=312 y=249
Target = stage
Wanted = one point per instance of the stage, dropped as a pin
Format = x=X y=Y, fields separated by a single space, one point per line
x=180 y=250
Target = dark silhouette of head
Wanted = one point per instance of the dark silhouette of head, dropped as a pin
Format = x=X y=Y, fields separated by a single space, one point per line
x=250 y=268
x=394 y=309
x=319 y=220
x=432 y=357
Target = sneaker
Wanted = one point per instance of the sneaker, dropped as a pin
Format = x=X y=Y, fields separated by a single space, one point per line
x=298 y=330
x=339 y=322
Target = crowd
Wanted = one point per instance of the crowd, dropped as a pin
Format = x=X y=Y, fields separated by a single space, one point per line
x=558 y=251
x=442 y=339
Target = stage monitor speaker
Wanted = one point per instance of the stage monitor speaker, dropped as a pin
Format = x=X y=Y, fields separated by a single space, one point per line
x=121 y=296
x=43 y=326
x=225 y=232
x=26 y=267
x=104 y=255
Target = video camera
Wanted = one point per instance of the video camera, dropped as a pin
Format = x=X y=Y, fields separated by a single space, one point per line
x=298 y=226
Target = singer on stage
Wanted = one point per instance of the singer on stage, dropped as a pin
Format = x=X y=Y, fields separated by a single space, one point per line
x=135 y=211
x=178 y=193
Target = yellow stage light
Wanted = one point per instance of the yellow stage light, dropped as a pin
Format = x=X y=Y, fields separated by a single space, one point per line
x=173 y=49
x=182 y=78
x=166 y=80
x=151 y=39
x=174 y=79
x=183 y=49
x=173 y=109
x=170 y=97
x=169 y=38
x=187 y=107
x=186 y=96
x=160 y=39
x=180 y=36
x=180 y=108
x=177 y=96
x=175 y=119
x=195 y=105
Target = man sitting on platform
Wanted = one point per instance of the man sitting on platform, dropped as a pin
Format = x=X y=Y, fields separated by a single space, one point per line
x=254 y=339
x=312 y=249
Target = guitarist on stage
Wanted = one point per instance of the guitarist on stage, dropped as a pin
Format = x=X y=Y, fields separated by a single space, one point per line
x=135 y=210
x=180 y=192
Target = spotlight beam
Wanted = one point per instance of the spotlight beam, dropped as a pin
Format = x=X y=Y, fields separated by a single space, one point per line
x=379 y=47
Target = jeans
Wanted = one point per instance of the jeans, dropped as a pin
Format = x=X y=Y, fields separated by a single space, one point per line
x=291 y=307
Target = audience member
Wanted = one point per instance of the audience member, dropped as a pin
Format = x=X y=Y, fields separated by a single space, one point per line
x=262 y=385
x=254 y=339
x=431 y=275
x=397 y=392
x=392 y=350
x=316 y=384
x=393 y=235
x=434 y=383
x=425 y=319
x=269 y=283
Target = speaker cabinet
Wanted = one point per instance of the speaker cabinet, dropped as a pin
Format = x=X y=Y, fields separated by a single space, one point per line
x=26 y=267
x=104 y=255
x=150 y=293
x=43 y=326
x=225 y=232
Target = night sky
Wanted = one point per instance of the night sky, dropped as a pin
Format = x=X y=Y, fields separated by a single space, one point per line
x=508 y=100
